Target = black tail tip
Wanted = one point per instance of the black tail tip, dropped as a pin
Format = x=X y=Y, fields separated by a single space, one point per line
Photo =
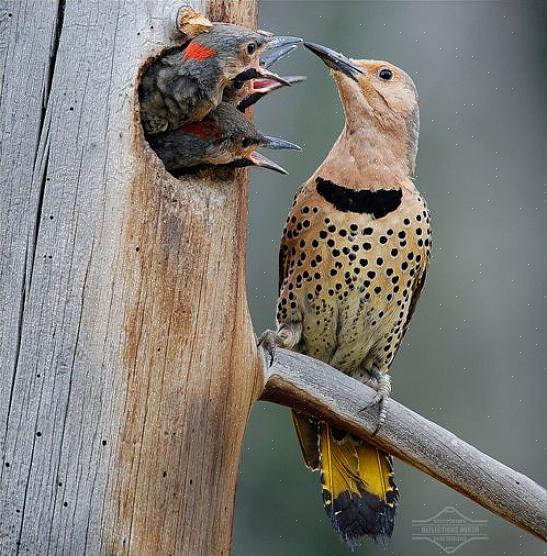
x=357 y=516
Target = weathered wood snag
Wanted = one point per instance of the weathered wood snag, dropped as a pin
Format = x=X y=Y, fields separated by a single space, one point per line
x=128 y=358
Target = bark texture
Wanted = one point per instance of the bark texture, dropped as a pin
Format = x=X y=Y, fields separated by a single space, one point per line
x=128 y=365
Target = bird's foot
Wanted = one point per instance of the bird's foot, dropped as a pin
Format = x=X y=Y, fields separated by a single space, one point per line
x=382 y=384
x=270 y=340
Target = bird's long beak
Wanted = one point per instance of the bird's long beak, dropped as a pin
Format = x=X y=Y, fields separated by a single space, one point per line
x=278 y=47
x=278 y=144
x=257 y=159
x=335 y=60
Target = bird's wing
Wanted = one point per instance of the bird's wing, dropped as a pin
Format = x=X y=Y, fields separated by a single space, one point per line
x=306 y=428
x=283 y=257
x=417 y=288
x=418 y=284
x=286 y=244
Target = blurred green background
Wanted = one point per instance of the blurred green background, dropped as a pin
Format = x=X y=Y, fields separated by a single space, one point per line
x=473 y=360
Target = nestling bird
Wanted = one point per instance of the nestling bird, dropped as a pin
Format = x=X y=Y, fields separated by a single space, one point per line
x=224 y=136
x=353 y=260
x=249 y=87
x=184 y=86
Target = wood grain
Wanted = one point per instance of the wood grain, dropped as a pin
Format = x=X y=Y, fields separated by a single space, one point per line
x=317 y=389
x=128 y=360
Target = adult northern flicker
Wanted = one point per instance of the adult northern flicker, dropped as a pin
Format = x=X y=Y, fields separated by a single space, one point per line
x=224 y=136
x=184 y=86
x=353 y=261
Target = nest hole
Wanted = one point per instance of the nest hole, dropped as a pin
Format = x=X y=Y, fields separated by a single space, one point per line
x=210 y=171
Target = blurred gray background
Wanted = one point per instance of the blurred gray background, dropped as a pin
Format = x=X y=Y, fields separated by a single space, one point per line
x=473 y=360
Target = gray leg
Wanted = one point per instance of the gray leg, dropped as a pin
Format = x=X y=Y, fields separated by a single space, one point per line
x=381 y=382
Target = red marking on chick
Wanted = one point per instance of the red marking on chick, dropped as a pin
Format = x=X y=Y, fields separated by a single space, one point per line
x=196 y=51
x=202 y=129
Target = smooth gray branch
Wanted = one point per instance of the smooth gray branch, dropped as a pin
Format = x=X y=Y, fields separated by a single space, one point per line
x=319 y=390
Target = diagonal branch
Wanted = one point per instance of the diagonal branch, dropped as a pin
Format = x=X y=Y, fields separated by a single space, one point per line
x=319 y=390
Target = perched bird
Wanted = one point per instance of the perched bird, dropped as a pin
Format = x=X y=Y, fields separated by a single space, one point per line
x=224 y=136
x=184 y=86
x=353 y=260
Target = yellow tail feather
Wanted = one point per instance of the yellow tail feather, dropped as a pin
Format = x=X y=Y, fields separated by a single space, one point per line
x=359 y=494
x=375 y=470
x=339 y=464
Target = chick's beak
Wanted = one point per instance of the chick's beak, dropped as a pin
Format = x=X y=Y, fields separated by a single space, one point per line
x=278 y=144
x=257 y=159
x=278 y=47
x=265 y=74
x=261 y=87
x=265 y=86
x=335 y=60
x=259 y=73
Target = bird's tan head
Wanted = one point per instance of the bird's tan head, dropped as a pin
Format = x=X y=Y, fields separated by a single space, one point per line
x=376 y=92
x=376 y=87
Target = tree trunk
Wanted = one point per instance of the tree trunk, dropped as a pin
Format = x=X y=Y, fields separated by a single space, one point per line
x=128 y=364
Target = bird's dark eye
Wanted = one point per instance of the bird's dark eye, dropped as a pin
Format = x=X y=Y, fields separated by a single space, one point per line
x=251 y=48
x=246 y=142
x=385 y=73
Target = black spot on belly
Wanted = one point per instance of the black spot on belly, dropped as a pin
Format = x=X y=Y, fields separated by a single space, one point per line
x=377 y=203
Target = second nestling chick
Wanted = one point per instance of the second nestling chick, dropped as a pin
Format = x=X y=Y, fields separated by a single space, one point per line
x=223 y=137
x=184 y=86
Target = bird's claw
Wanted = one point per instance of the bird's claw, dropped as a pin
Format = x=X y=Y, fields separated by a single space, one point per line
x=268 y=341
x=382 y=384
